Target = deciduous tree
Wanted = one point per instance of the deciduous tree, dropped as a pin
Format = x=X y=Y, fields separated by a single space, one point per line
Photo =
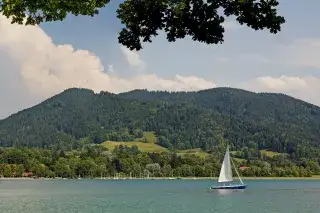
x=143 y=19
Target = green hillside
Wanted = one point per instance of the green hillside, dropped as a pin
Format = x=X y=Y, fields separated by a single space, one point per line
x=204 y=120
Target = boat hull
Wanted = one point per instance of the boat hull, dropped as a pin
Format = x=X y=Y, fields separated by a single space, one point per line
x=229 y=187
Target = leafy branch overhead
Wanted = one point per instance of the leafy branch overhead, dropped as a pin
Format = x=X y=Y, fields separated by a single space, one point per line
x=143 y=19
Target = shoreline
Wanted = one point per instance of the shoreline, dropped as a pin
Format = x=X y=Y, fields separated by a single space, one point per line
x=317 y=177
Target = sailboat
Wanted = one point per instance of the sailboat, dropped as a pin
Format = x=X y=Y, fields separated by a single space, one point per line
x=226 y=176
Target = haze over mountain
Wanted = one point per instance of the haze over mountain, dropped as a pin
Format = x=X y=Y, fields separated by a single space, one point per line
x=181 y=120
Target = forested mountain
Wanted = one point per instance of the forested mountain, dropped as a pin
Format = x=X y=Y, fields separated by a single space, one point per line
x=181 y=120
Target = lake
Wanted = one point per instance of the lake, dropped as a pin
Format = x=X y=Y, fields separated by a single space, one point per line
x=157 y=196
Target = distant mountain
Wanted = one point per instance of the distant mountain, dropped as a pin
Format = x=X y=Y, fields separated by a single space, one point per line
x=181 y=120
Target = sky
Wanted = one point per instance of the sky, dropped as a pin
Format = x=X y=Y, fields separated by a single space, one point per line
x=37 y=62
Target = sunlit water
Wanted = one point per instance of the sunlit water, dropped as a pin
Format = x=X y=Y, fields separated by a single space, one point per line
x=157 y=196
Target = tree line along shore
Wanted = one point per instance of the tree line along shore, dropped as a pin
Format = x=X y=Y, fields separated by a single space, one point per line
x=315 y=177
x=97 y=161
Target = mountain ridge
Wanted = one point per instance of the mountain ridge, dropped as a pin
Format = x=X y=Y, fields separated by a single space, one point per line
x=181 y=120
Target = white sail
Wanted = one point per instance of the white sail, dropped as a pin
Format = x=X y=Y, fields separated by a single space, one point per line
x=226 y=172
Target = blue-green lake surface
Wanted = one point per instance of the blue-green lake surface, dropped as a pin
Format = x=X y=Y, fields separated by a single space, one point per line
x=157 y=196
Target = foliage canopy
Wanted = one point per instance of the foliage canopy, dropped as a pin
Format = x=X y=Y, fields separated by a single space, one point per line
x=143 y=19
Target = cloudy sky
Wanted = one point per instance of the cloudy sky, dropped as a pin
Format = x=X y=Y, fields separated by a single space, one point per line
x=38 y=62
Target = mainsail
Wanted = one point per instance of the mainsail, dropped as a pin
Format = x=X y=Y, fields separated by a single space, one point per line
x=226 y=172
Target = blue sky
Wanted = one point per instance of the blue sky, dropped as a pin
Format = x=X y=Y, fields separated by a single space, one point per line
x=254 y=60
x=99 y=35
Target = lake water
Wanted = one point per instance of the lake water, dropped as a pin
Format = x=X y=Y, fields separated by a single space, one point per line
x=157 y=196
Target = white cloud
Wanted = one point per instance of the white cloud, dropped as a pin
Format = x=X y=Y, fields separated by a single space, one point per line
x=177 y=83
x=300 y=54
x=33 y=68
x=133 y=58
x=306 y=88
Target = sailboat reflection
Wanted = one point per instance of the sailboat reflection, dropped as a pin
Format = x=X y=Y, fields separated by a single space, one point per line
x=228 y=191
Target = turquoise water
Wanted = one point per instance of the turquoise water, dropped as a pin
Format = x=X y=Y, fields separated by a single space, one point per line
x=156 y=196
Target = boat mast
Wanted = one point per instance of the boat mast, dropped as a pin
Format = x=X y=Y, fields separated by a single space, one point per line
x=229 y=129
x=228 y=141
x=235 y=168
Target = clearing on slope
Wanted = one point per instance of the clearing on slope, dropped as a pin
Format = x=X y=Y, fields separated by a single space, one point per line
x=149 y=137
x=143 y=147
x=147 y=143
x=269 y=153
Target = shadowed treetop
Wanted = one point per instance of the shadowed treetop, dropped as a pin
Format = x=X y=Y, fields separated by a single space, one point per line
x=143 y=19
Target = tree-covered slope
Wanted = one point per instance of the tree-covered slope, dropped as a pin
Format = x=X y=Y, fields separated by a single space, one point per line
x=270 y=120
x=181 y=120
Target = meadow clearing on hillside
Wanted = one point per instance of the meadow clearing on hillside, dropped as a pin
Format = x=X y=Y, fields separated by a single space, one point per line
x=150 y=145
